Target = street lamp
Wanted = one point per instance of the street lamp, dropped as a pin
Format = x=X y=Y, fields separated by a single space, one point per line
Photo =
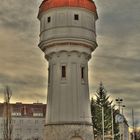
x=123 y=106
x=103 y=121
x=102 y=107
x=112 y=121
x=119 y=102
x=102 y=114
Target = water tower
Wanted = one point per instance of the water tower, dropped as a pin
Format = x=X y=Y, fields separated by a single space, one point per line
x=67 y=38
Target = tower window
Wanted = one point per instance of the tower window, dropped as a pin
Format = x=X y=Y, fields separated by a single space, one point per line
x=76 y=17
x=49 y=74
x=49 y=19
x=82 y=72
x=63 y=69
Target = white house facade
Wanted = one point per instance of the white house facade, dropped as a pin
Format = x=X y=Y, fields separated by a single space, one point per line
x=27 y=121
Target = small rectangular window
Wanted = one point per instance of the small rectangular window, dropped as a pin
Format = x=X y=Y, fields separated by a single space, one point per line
x=82 y=72
x=49 y=74
x=63 y=71
x=36 y=121
x=49 y=19
x=76 y=17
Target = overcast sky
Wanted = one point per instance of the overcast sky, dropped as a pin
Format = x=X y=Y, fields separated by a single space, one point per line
x=116 y=61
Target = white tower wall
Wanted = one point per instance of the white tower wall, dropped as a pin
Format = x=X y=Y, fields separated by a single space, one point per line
x=68 y=98
x=63 y=27
x=68 y=43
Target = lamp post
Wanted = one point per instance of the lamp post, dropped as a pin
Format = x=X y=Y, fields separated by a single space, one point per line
x=102 y=108
x=133 y=122
x=119 y=102
x=123 y=106
x=102 y=114
x=103 y=121
x=112 y=121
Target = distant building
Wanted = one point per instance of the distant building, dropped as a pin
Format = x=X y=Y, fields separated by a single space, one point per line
x=124 y=130
x=27 y=120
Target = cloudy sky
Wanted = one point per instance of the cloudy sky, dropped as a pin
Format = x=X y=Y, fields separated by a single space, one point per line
x=116 y=61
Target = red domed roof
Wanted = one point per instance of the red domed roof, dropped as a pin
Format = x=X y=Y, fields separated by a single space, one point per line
x=48 y=4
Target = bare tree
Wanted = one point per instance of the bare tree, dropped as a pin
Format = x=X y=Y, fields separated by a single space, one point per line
x=7 y=114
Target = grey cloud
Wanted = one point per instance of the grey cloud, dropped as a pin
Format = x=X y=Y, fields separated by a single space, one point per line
x=22 y=62
x=136 y=79
x=129 y=67
x=119 y=18
x=21 y=16
x=128 y=93
x=26 y=81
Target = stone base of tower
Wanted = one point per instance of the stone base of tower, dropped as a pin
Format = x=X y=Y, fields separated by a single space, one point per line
x=69 y=132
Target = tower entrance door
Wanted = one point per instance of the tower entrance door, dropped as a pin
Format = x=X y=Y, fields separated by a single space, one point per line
x=76 y=138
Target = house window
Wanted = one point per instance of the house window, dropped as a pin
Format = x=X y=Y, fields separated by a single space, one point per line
x=49 y=19
x=63 y=71
x=82 y=72
x=36 y=121
x=21 y=121
x=76 y=17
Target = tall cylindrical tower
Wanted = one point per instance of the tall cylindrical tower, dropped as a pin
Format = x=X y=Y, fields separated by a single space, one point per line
x=68 y=37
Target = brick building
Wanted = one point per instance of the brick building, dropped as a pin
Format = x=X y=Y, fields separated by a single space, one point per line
x=27 y=121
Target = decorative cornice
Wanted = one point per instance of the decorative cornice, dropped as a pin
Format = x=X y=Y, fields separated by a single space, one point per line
x=58 y=54
x=70 y=123
x=67 y=26
x=43 y=47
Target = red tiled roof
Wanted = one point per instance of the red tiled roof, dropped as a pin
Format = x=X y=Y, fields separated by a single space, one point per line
x=26 y=110
x=48 y=4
